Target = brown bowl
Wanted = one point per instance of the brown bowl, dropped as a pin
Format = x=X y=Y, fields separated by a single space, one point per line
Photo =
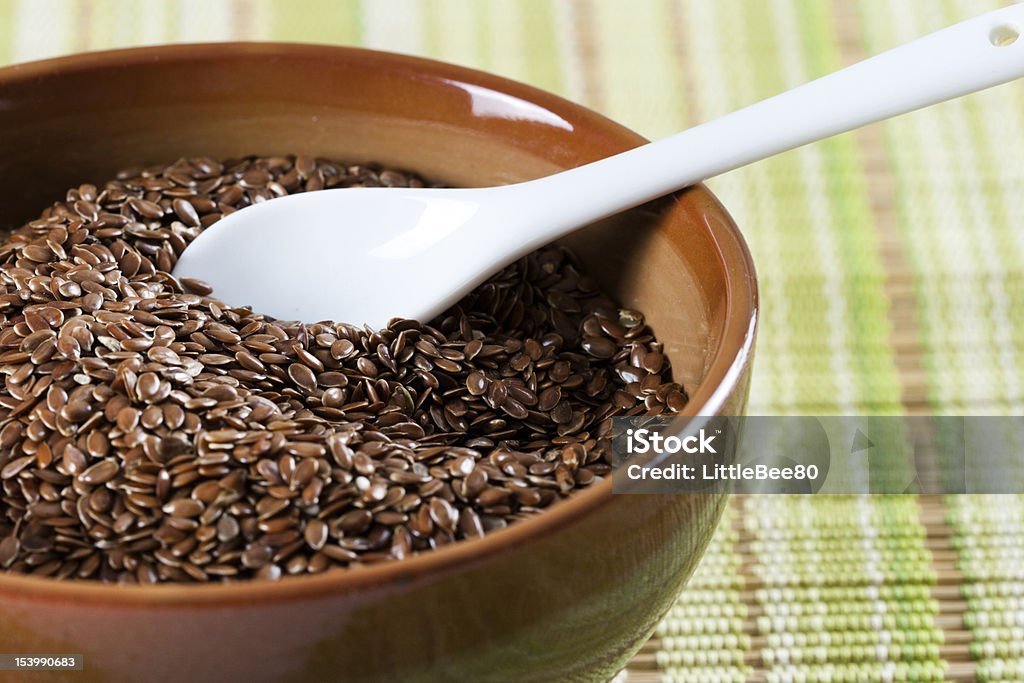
x=566 y=596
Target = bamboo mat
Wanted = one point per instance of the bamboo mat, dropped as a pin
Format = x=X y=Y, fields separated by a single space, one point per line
x=850 y=589
x=890 y=262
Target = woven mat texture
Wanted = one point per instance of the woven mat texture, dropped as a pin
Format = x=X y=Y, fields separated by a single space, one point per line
x=890 y=264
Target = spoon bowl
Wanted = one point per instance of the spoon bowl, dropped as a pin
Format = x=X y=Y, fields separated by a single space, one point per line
x=369 y=253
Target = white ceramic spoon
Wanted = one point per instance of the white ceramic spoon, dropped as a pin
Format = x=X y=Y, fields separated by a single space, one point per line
x=367 y=255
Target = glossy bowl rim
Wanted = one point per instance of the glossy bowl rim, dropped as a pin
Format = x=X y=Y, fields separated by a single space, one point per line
x=720 y=380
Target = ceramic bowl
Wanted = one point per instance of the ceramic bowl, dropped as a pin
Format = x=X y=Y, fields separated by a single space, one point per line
x=568 y=595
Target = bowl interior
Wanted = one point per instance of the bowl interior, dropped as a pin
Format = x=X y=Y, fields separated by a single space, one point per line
x=461 y=128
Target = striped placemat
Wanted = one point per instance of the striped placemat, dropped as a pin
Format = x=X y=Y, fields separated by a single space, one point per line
x=895 y=588
x=891 y=265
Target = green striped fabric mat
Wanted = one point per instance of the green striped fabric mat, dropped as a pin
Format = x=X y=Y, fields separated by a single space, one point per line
x=890 y=263
x=894 y=588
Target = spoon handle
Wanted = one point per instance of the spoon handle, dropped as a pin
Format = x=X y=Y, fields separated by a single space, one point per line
x=969 y=56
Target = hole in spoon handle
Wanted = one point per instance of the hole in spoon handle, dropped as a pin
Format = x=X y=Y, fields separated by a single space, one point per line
x=1003 y=35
